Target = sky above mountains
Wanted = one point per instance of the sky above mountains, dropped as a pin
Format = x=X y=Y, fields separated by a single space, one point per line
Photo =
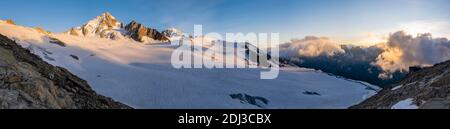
x=362 y=22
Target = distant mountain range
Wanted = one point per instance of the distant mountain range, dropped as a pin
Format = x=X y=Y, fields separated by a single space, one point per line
x=106 y=26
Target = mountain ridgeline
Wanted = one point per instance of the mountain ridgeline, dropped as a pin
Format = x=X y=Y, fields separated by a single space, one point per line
x=106 y=26
x=139 y=32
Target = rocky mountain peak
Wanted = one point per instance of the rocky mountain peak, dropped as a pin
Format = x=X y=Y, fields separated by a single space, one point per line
x=134 y=25
x=104 y=26
x=105 y=20
x=108 y=15
x=139 y=32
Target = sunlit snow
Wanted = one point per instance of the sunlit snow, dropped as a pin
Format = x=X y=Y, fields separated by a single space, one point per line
x=141 y=76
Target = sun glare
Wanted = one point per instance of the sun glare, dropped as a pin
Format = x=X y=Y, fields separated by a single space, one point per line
x=421 y=27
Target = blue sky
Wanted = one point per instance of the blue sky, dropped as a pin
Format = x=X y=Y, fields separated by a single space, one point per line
x=343 y=20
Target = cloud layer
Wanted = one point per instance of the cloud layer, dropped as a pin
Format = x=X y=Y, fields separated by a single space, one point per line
x=310 y=46
x=402 y=51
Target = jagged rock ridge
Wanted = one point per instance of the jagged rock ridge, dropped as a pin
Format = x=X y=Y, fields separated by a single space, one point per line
x=106 y=26
x=139 y=32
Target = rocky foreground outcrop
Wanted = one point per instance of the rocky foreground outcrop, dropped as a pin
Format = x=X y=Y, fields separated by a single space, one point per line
x=28 y=82
x=429 y=88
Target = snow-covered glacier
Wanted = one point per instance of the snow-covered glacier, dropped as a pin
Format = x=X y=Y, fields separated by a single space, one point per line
x=141 y=76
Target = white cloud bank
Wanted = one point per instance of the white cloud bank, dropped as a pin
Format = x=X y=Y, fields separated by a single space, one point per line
x=403 y=50
x=311 y=46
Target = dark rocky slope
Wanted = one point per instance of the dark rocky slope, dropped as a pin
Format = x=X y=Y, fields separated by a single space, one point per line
x=428 y=87
x=27 y=82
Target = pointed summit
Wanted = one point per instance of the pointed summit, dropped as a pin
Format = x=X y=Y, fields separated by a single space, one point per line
x=107 y=14
x=103 y=22
x=104 y=26
x=105 y=17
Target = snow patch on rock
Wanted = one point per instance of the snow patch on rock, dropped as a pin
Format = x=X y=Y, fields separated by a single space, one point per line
x=405 y=104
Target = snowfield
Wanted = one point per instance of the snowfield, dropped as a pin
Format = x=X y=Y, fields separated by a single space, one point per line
x=405 y=104
x=141 y=76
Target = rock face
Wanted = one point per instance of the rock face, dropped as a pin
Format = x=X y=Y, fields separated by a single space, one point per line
x=427 y=87
x=27 y=82
x=141 y=33
x=104 y=26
